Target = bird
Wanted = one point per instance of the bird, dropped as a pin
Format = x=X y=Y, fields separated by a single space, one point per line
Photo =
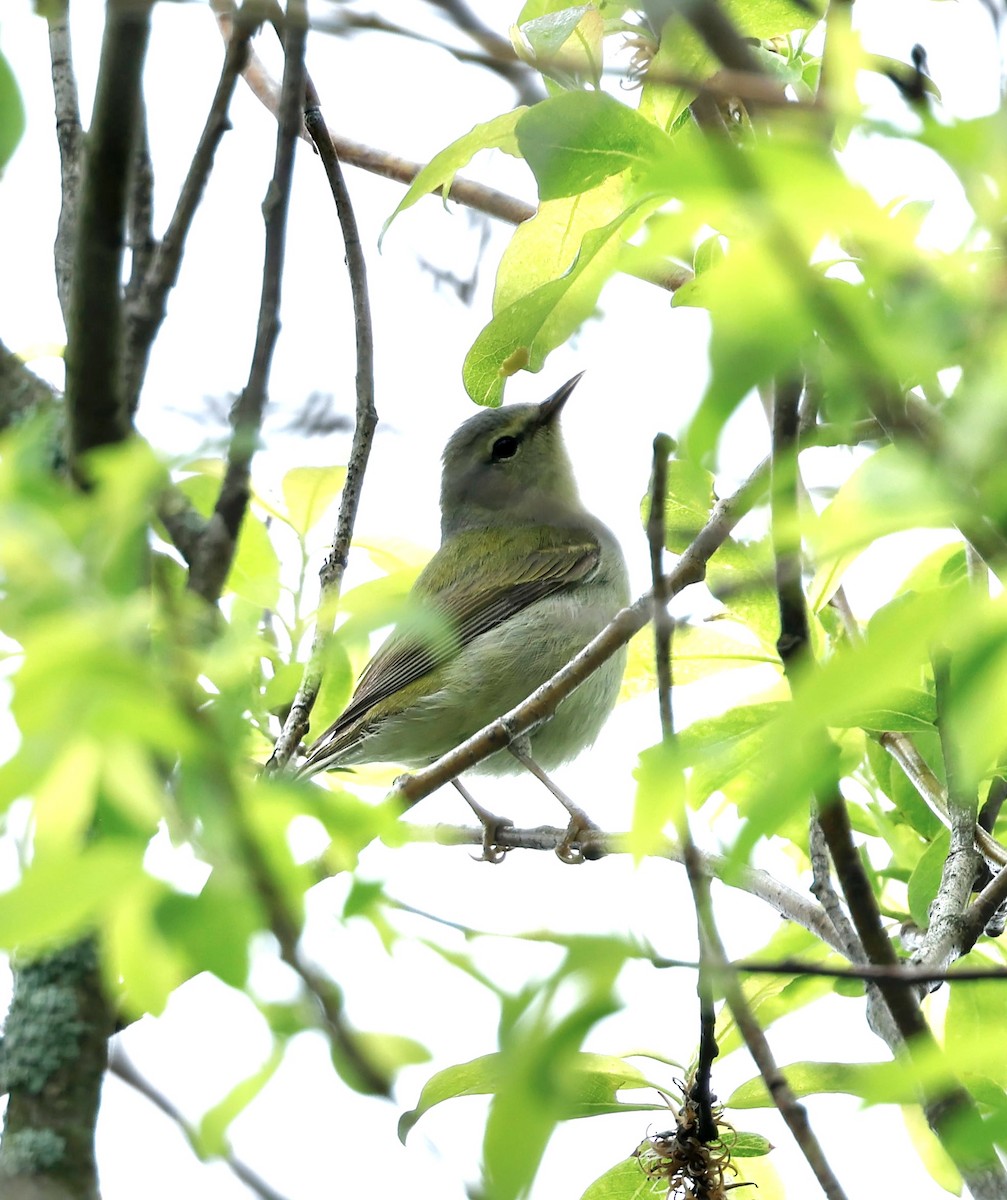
x=524 y=578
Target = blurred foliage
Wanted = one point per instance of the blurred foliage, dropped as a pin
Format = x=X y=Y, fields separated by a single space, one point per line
x=142 y=719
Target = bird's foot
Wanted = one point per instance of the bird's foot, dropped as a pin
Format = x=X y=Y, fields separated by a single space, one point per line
x=570 y=850
x=492 y=851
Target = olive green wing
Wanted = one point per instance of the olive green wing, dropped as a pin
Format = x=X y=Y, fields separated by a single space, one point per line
x=459 y=596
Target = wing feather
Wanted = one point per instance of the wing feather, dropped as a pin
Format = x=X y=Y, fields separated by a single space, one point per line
x=458 y=599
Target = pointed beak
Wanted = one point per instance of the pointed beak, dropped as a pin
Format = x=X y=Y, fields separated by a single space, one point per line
x=550 y=409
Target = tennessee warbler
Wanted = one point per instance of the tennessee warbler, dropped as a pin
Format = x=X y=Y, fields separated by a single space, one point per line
x=523 y=579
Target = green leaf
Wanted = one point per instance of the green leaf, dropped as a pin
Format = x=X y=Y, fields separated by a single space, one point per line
x=973 y=1010
x=625 y=1181
x=746 y=1145
x=496 y=134
x=906 y=710
x=698 y=652
x=12 y=116
x=565 y=46
x=660 y=797
x=682 y=53
x=255 y=572
x=211 y=1138
x=596 y=1078
x=211 y=930
x=308 y=493
x=878 y=1083
x=545 y=247
x=687 y=503
x=575 y=141
x=522 y=334
x=932 y=1153
x=391 y=1051
x=60 y=896
x=750 y=343
x=765 y=19
x=892 y=490
x=740 y=575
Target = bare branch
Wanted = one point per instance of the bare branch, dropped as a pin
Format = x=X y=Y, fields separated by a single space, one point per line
x=120 y=1065
x=96 y=415
x=296 y=724
x=149 y=305
x=496 y=54
x=664 y=626
x=140 y=215
x=68 y=135
x=21 y=391
x=714 y=959
x=215 y=553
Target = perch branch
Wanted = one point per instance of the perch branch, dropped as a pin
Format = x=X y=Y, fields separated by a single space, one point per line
x=546 y=838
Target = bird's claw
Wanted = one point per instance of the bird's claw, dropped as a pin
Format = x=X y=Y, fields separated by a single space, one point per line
x=569 y=850
x=492 y=851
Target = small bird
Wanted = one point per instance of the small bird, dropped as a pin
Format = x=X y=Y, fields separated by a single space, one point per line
x=523 y=580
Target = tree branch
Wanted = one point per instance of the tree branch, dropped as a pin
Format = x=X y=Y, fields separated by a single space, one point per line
x=546 y=838
x=366 y=419
x=22 y=393
x=121 y=1066
x=149 y=306
x=69 y=137
x=215 y=552
x=53 y=1057
x=96 y=415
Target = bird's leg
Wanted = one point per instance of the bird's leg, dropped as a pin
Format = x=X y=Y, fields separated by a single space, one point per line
x=568 y=850
x=493 y=852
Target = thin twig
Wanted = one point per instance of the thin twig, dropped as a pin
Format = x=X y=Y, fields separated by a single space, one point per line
x=96 y=415
x=68 y=136
x=865 y=972
x=825 y=893
x=216 y=550
x=664 y=626
x=713 y=956
x=148 y=309
x=701 y=1089
x=498 y=58
x=541 y=704
x=916 y=769
x=120 y=1065
x=140 y=217
x=366 y=419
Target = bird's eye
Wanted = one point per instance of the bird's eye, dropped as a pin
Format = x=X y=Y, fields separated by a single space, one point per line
x=504 y=447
